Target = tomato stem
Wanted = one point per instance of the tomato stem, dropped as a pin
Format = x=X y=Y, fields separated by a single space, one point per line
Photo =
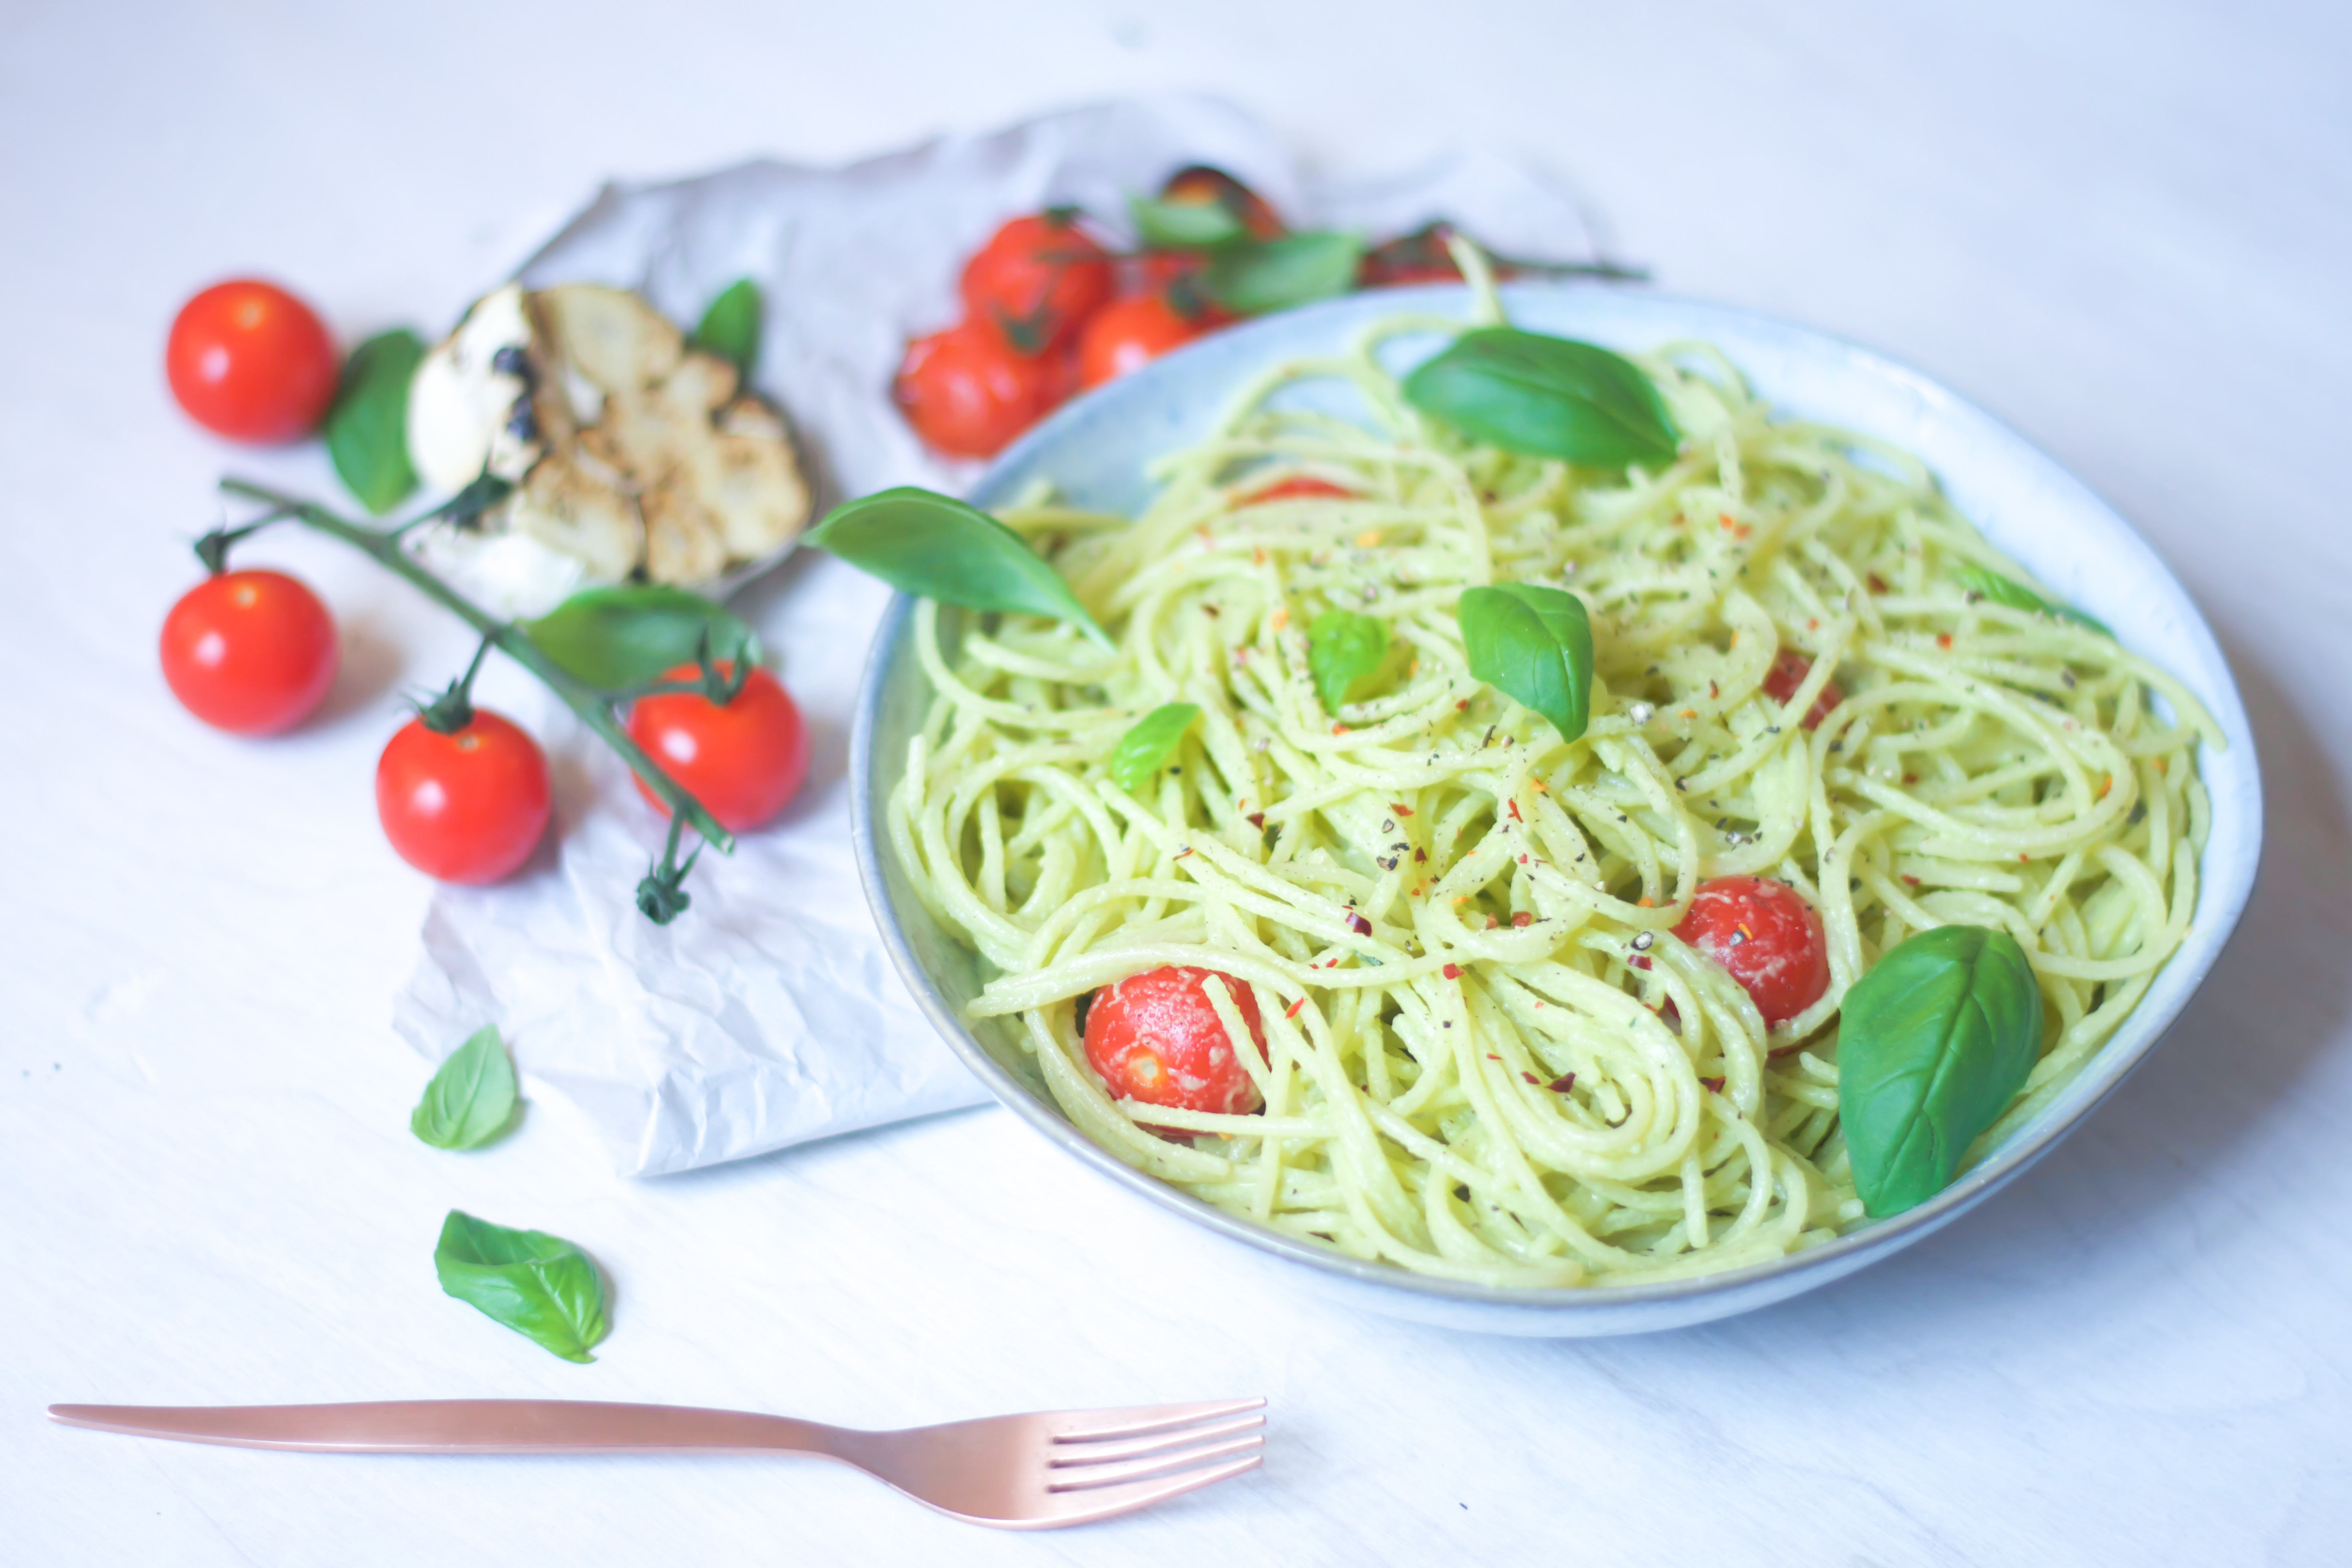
x=660 y=897
x=453 y=708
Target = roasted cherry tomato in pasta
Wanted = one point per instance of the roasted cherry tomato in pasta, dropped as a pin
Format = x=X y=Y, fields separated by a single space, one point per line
x=743 y=761
x=1789 y=671
x=1769 y=939
x=1299 y=487
x=466 y=807
x=251 y=652
x=1204 y=185
x=968 y=394
x=1037 y=281
x=1129 y=332
x=250 y=360
x=1157 y=1039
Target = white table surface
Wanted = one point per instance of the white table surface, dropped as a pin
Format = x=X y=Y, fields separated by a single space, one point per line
x=2124 y=226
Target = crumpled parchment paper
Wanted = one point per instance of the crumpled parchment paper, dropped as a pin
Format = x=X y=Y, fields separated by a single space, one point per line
x=768 y=1013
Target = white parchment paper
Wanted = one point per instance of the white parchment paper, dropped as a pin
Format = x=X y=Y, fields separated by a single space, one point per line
x=768 y=1013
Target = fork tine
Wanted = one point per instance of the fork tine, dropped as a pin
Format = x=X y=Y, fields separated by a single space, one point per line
x=1106 y=1502
x=1085 y=1478
x=1085 y=1451
x=1074 y=1425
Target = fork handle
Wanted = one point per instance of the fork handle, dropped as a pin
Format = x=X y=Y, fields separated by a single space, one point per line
x=463 y=1427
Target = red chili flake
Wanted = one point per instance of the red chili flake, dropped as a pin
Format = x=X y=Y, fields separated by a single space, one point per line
x=1515 y=812
x=1420 y=854
x=1943 y=639
x=1563 y=1083
x=1531 y=1077
x=1493 y=1057
x=1712 y=1085
x=1742 y=531
x=1182 y=853
x=1210 y=610
x=1670 y=1015
x=1725 y=519
x=1910 y=878
x=1462 y=706
x=1812 y=625
x=1877 y=584
x=1338 y=729
x=1523 y=859
x=1255 y=819
x=1713 y=692
x=1359 y=925
x=1292 y=1011
x=1639 y=960
x=1520 y=918
x=1400 y=810
x=1452 y=972
x=1492 y=922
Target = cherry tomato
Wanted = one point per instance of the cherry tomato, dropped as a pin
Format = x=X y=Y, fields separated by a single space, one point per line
x=742 y=762
x=1126 y=332
x=1203 y=185
x=1299 y=487
x=251 y=652
x=1037 y=281
x=1769 y=939
x=250 y=360
x=1154 y=272
x=467 y=806
x=967 y=392
x=1154 y=1037
x=1789 y=670
x=1419 y=256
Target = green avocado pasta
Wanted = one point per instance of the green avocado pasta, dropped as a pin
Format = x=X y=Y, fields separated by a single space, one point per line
x=1488 y=1057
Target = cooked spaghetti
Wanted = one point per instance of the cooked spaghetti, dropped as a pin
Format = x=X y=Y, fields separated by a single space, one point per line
x=1488 y=1058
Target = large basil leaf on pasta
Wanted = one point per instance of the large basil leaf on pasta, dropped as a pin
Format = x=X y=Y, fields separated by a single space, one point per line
x=535 y=1284
x=1532 y=644
x=1275 y=274
x=1544 y=396
x=1932 y=1044
x=1149 y=743
x=1342 y=648
x=937 y=547
x=627 y=634
x=471 y=1097
x=2009 y=591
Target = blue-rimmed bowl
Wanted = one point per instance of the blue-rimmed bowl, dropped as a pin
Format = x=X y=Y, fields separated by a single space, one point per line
x=1095 y=452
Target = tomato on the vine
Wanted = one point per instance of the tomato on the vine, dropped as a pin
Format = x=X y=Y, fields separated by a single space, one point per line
x=1037 y=279
x=1768 y=936
x=743 y=761
x=967 y=392
x=250 y=360
x=250 y=652
x=1205 y=186
x=1156 y=1038
x=1127 y=332
x=1789 y=671
x=466 y=807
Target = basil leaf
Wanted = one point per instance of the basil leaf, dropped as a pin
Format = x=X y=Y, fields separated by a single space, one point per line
x=471 y=1097
x=534 y=1283
x=1276 y=274
x=627 y=635
x=1185 y=226
x=1547 y=397
x=2009 y=591
x=1534 y=644
x=367 y=426
x=1149 y=743
x=1932 y=1044
x=730 y=327
x=937 y=547
x=1342 y=647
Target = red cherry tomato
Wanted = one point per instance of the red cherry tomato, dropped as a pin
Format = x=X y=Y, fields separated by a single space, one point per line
x=1154 y=272
x=250 y=360
x=1154 y=1037
x=967 y=394
x=1789 y=670
x=1037 y=279
x=1203 y=185
x=251 y=652
x=1768 y=937
x=742 y=762
x=1127 y=332
x=1299 y=487
x=467 y=806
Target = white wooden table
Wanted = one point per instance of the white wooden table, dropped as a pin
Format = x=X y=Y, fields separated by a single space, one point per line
x=2123 y=226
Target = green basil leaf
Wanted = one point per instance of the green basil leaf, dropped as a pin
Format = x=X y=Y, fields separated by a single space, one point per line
x=731 y=328
x=937 y=547
x=2009 y=591
x=471 y=1097
x=1275 y=274
x=1534 y=644
x=535 y=1284
x=1932 y=1044
x=1547 y=397
x=1185 y=226
x=1149 y=743
x=367 y=426
x=627 y=635
x=1342 y=647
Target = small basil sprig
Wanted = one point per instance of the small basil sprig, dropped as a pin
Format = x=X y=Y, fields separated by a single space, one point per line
x=1932 y=1044
x=730 y=327
x=1532 y=644
x=627 y=635
x=2009 y=591
x=1150 y=742
x=535 y=1284
x=937 y=547
x=1544 y=396
x=1259 y=276
x=367 y=427
x=1185 y=225
x=471 y=1097
x=1342 y=647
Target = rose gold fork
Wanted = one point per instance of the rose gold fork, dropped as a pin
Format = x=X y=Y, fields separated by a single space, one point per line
x=1015 y=1472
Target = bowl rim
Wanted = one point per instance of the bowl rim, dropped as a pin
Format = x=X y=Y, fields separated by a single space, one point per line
x=2222 y=900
